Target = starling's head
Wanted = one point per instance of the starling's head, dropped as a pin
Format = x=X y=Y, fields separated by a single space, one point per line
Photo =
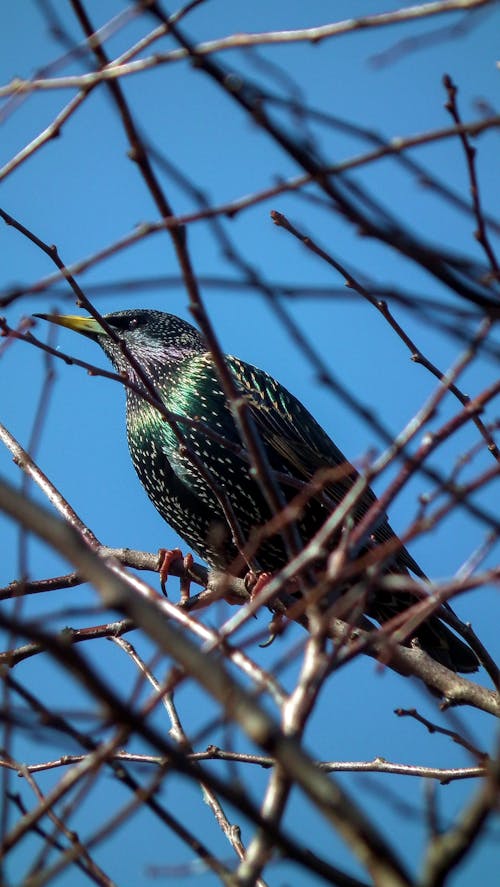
x=153 y=337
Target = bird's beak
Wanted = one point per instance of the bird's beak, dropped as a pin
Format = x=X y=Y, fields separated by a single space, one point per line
x=87 y=326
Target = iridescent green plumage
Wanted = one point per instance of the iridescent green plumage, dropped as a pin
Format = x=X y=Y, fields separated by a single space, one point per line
x=175 y=358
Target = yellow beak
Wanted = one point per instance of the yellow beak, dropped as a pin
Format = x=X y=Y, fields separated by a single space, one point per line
x=85 y=325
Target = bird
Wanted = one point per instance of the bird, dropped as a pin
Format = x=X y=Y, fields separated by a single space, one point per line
x=192 y=464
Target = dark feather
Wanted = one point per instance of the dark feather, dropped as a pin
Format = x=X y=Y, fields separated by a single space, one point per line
x=174 y=356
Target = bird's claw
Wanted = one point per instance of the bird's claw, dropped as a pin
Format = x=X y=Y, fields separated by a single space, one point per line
x=275 y=628
x=187 y=563
x=167 y=556
x=255 y=583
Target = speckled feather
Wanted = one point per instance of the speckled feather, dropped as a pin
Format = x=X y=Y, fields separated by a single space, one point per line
x=295 y=444
x=175 y=358
x=194 y=390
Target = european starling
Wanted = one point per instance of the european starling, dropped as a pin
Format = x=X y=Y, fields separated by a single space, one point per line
x=174 y=356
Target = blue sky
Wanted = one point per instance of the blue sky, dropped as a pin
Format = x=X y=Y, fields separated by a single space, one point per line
x=82 y=192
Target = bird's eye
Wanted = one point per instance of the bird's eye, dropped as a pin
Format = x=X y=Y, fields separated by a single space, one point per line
x=125 y=322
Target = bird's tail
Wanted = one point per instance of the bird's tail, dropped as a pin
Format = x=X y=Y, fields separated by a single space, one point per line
x=433 y=635
x=445 y=647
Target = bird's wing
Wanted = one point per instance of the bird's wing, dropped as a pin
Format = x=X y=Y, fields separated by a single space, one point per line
x=297 y=444
x=291 y=434
x=285 y=424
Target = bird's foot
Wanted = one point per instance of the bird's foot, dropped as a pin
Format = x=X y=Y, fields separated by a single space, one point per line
x=185 y=583
x=275 y=628
x=167 y=557
x=255 y=583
